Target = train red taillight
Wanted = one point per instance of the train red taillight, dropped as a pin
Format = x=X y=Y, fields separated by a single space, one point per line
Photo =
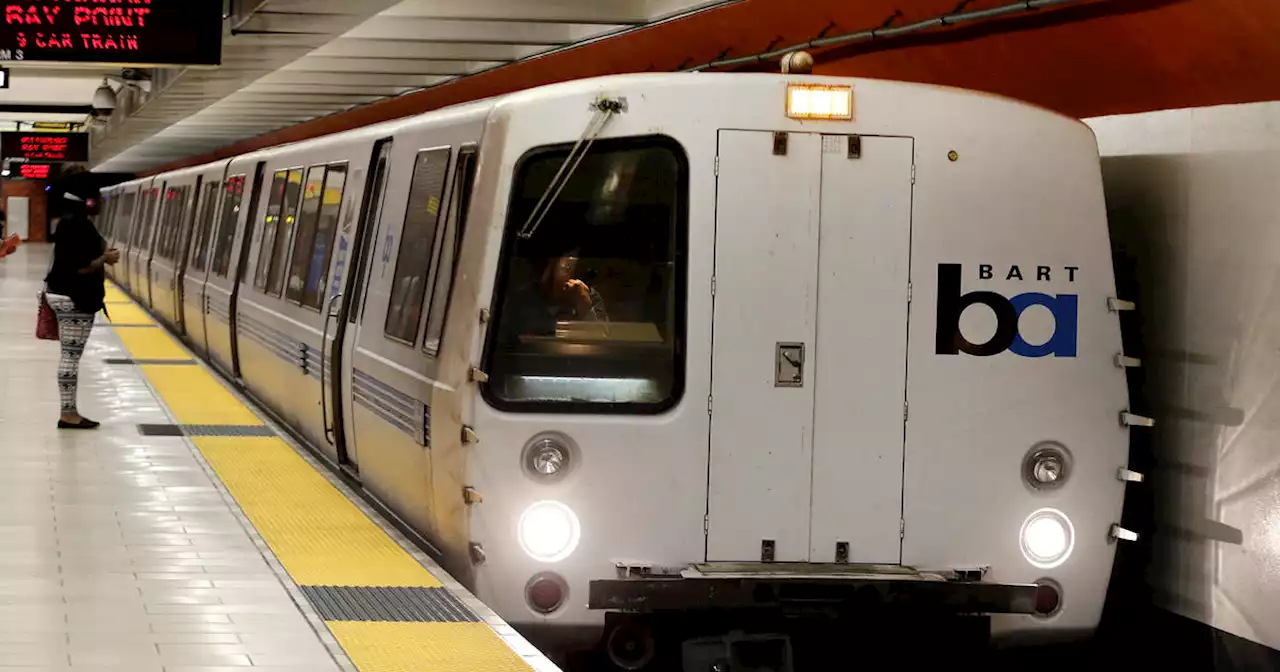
x=546 y=592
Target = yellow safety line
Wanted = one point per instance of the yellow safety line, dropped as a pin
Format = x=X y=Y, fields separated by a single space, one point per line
x=425 y=647
x=320 y=537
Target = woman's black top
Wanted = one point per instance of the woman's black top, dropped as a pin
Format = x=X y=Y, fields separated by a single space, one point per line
x=76 y=245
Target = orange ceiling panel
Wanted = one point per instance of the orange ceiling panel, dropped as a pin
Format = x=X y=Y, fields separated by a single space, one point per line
x=1092 y=58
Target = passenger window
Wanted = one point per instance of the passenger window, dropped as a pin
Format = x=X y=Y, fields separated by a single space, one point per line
x=125 y=218
x=464 y=174
x=144 y=214
x=106 y=221
x=284 y=232
x=226 y=235
x=305 y=233
x=417 y=241
x=590 y=305
x=208 y=207
x=170 y=223
x=270 y=225
x=335 y=184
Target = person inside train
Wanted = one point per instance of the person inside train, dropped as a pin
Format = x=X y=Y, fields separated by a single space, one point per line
x=75 y=289
x=555 y=294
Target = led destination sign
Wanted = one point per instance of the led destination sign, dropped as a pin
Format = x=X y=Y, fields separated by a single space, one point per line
x=143 y=32
x=73 y=147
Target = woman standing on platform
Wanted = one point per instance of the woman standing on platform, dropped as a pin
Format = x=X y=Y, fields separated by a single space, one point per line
x=75 y=289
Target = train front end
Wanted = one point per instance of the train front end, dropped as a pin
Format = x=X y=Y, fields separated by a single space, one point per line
x=796 y=346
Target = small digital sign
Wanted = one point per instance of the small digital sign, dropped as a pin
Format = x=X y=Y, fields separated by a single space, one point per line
x=72 y=147
x=129 y=32
x=34 y=171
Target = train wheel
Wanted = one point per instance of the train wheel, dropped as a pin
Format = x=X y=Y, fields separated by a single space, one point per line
x=631 y=646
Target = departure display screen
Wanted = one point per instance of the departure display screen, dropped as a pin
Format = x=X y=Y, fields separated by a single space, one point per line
x=127 y=32
x=34 y=171
x=73 y=147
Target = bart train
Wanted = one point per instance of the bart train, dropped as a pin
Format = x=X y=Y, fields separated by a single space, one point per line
x=658 y=343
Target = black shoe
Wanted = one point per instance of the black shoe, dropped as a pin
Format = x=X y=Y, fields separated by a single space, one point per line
x=84 y=423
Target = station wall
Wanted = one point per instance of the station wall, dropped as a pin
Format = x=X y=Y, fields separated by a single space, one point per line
x=1194 y=204
x=38 y=204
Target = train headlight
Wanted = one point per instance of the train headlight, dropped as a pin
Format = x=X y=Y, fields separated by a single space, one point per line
x=1047 y=538
x=549 y=531
x=1047 y=466
x=547 y=457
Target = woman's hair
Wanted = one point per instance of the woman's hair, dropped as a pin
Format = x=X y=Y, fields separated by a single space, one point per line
x=73 y=223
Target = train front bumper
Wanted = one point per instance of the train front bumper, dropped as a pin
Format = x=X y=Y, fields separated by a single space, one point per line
x=841 y=589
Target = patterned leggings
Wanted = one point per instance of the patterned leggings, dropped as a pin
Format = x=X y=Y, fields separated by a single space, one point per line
x=73 y=331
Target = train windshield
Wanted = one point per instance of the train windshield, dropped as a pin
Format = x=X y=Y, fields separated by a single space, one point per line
x=590 y=309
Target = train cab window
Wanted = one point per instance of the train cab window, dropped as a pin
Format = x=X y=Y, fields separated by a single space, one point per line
x=417 y=242
x=590 y=303
x=270 y=224
x=280 y=245
x=226 y=234
x=206 y=209
x=464 y=174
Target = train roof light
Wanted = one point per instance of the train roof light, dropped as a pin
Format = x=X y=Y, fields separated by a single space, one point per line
x=819 y=101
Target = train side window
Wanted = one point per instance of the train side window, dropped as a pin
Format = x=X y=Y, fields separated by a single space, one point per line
x=207 y=207
x=589 y=308
x=140 y=229
x=304 y=236
x=335 y=184
x=124 y=218
x=464 y=174
x=168 y=224
x=270 y=226
x=417 y=242
x=184 y=223
x=284 y=232
x=108 y=217
x=226 y=235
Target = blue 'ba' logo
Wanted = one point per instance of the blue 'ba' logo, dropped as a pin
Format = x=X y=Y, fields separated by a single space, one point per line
x=951 y=304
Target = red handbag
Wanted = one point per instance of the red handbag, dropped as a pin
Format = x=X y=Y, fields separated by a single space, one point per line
x=46 y=321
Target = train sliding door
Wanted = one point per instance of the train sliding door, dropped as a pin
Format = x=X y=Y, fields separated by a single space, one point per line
x=809 y=353
x=342 y=315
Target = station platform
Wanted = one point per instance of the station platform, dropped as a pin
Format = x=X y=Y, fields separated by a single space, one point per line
x=188 y=534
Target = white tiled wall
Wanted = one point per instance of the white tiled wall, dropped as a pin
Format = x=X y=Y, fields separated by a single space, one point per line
x=1194 y=196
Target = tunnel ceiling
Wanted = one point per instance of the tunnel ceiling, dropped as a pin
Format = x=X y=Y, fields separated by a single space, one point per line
x=1085 y=58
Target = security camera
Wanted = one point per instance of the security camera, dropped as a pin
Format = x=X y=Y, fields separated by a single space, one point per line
x=104 y=99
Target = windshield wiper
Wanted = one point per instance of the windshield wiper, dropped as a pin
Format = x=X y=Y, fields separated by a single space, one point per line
x=606 y=109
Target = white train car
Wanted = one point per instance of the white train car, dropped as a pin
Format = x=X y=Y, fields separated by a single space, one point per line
x=648 y=344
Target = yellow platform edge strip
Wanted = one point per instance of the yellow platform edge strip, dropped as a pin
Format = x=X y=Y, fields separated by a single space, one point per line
x=316 y=532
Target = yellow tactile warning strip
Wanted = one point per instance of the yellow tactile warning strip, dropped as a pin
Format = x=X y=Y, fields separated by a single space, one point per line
x=319 y=536
x=127 y=313
x=193 y=396
x=116 y=295
x=428 y=647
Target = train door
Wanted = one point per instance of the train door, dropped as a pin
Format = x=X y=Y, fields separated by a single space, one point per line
x=182 y=253
x=242 y=263
x=349 y=301
x=809 y=352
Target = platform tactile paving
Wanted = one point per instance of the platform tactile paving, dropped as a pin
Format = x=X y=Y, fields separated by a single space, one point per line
x=386 y=610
